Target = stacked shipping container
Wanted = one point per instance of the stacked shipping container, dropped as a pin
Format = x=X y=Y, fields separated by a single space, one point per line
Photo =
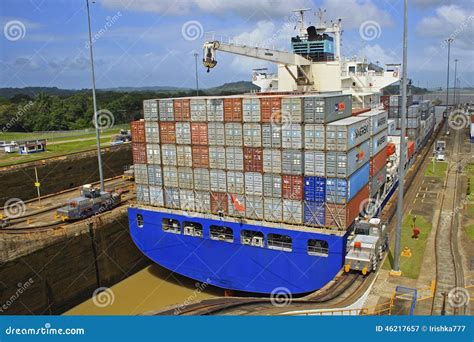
x=293 y=159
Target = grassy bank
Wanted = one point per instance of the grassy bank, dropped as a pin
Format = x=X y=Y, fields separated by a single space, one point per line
x=436 y=169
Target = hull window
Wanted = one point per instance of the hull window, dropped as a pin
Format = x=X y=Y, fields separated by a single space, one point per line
x=221 y=233
x=252 y=238
x=171 y=226
x=139 y=220
x=318 y=247
x=279 y=242
x=192 y=229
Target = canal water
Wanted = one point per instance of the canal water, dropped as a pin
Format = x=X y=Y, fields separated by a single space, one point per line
x=153 y=288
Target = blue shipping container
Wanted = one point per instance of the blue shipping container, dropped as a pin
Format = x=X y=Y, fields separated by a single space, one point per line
x=315 y=189
x=341 y=191
x=314 y=213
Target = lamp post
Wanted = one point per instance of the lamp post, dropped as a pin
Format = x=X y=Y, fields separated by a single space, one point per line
x=449 y=41
x=197 y=81
x=96 y=119
x=455 y=79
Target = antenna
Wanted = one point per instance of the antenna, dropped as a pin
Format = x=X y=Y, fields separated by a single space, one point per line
x=301 y=19
x=320 y=13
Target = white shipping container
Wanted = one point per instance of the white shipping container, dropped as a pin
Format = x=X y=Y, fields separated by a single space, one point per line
x=168 y=153
x=140 y=173
x=378 y=142
x=183 y=133
x=251 y=109
x=143 y=194
x=346 y=134
x=150 y=110
x=252 y=135
x=218 y=180
x=153 y=154
x=291 y=110
x=201 y=179
x=235 y=182
x=184 y=155
x=314 y=137
x=271 y=185
x=378 y=120
x=156 y=196
x=172 y=198
x=215 y=109
x=273 y=209
x=292 y=211
x=217 y=157
x=234 y=158
x=291 y=136
x=271 y=135
x=253 y=183
x=315 y=163
x=392 y=126
x=185 y=178
x=233 y=134
x=155 y=175
x=271 y=160
x=170 y=176
x=414 y=122
x=254 y=207
x=292 y=162
x=152 y=132
x=202 y=201
x=216 y=133
x=186 y=200
x=166 y=110
x=198 y=109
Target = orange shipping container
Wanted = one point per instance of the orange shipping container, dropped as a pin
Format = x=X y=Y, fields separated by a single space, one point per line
x=199 y=133
x=357 y=111
x=341 y=216
x=139 y=153
x=390 y=149
x=138 y=131
x=233 y=110
x=200 y=156
x=411 y=149
x=270 y=108
x=378 y=161
x=219 y=202
x=253 y=159
x=167 y=133
x=182 y=110
x=292 y=187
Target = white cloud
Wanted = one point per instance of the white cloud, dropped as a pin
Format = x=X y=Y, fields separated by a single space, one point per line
x=449 y=21
x=246 y=9
x=376 y=53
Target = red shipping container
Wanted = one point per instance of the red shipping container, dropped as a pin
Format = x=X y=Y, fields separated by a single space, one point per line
x=200 y=156
x=390 y=149
x=292 y=187
x=167 y=133
x=182 y=110
x=139 y=153
x=410 y=149
x=253 y=159
x=378 y=161
x=138 y=131
x=199 y=133
x=233 y=109
x=357 y=111
x=219 y=202
x=341 y=216
x=270 y=108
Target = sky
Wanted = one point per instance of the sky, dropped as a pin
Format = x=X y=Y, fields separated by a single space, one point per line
x=142 y=43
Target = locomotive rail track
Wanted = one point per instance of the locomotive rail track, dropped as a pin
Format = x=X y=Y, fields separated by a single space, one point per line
x=449 y=272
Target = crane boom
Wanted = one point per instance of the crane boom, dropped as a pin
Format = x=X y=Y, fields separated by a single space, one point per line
x=275 y=56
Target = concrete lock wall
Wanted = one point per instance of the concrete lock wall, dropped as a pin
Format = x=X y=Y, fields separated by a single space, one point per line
x=53 y=271
x=61 y=173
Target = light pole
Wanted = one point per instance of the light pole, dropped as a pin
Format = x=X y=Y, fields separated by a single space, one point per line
x=197 y=81
x=449 y=41
x=455 y=79
x=96 y=120
x=403 y=147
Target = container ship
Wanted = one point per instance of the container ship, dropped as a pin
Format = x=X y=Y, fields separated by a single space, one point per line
x=261 y=191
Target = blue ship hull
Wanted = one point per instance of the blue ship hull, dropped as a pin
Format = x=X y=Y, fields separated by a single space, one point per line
x=232 y=265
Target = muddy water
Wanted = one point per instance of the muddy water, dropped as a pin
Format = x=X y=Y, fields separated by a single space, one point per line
x=153 y=288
